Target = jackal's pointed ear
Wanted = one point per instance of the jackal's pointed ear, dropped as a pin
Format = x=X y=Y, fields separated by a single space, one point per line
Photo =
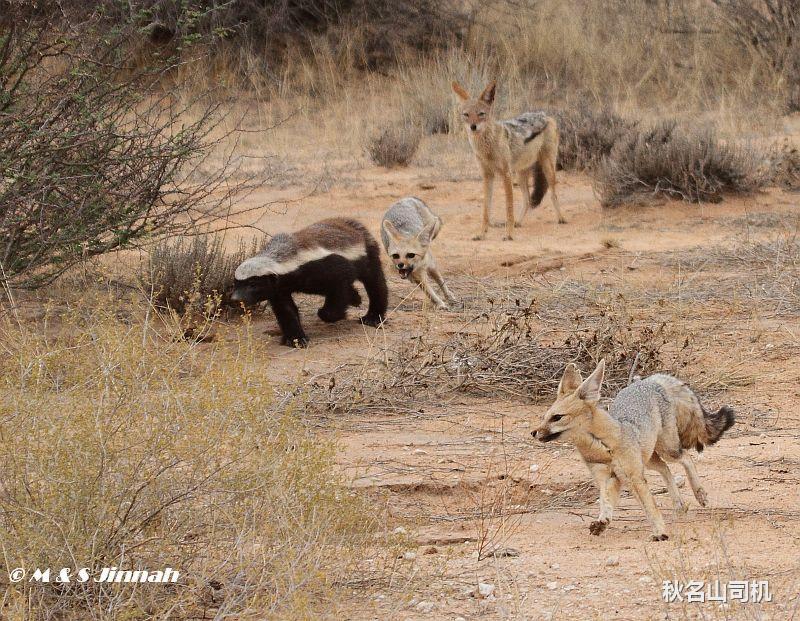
x=569 y=381
x=590 y=389
x=488 y=93
x=459 y=90
x=391 y=231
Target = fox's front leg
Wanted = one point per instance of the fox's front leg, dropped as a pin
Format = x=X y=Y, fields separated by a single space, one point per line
x=488 y=187
x=425 y=285
x=609 y=496
x=508 y=186
x=434 y=273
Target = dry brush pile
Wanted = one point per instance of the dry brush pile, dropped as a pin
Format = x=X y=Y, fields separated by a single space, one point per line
x=499 y=354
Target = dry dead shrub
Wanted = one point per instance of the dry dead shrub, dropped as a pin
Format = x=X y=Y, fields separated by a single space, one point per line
x=194 y=274
x=671 y=161
x=785 y=167
x=122 y=447
x=587 y=135
x=394 y=145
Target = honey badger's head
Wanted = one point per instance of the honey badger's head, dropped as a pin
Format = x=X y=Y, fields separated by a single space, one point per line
x=408 y=252
x=250 y=291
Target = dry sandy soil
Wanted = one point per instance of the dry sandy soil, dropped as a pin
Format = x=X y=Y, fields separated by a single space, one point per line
x=461 y=476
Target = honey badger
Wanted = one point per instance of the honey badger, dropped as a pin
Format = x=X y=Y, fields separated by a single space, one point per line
x=323 y=259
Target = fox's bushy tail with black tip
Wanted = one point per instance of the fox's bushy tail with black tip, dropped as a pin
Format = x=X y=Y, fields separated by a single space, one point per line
x=717 y=423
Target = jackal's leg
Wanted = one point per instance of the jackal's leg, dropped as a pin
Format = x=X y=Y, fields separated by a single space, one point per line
x=488 y=186
x=550 y=172
x=522 y=181
x=434 y=273
x=608 y=485
x=638 y=484
x=660 y=466
x=508 y=186
x=694 y=481
x=425 y=285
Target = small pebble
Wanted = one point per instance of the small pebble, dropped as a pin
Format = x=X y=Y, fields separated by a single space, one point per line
x=409 y=556
x=425 y=607
x=399 y=531
x=552 y=585
x=612 y=561
x=485 y=589
x=534 y=467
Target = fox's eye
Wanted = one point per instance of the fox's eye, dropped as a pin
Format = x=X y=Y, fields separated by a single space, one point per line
x=557 y=417
x=395 y=256
x=410 y=255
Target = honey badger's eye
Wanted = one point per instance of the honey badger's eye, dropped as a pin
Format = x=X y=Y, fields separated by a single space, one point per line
x=556 y=418
x=410 y=255
x=395 y=256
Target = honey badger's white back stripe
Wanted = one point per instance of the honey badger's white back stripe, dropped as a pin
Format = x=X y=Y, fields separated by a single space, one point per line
x=261 y=265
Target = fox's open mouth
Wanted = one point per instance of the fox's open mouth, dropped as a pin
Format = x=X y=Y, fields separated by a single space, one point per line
x=405 y=272
x=550 y=436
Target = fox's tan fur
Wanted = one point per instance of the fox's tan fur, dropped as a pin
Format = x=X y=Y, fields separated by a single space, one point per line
x=525 y=145
x=650 y=422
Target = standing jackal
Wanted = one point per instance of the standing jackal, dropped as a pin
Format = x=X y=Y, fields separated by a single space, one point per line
x=650 y=422
x=524 y=145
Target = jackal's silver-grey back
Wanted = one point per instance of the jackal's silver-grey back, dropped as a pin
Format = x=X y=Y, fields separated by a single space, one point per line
x=409 y=215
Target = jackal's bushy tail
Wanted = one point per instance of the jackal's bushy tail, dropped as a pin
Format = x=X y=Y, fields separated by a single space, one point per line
x=539 y=185
x=717 y=423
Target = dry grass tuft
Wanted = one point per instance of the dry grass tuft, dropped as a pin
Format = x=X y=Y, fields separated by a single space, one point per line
x=394 y=145
x=194 y=275
x=122 y=447
x=671 y=161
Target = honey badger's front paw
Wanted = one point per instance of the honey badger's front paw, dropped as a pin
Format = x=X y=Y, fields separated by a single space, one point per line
x=598 y=526
x=372 y=320
x=297 y=341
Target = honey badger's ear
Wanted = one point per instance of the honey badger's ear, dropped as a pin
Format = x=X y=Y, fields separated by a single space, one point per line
x=391 y=231
x=590 y=389
x=569 y=381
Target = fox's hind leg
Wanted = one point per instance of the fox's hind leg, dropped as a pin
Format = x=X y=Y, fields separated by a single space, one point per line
x=660 y=466
x=694 y=481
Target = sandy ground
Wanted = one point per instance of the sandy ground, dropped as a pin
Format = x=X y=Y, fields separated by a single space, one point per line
x=437 y=474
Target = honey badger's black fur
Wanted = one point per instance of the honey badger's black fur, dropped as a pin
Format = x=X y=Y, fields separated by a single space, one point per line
x=322 y=259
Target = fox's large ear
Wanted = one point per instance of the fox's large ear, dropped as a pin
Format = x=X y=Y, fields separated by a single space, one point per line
x=459 y=90
x=569 y=381
x=488 y=93
x=391 y=231
x=590 y=389
x=426 y=234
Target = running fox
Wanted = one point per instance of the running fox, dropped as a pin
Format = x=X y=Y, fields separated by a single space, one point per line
x=523 y=145
x=407 y=230
x=650 y=422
